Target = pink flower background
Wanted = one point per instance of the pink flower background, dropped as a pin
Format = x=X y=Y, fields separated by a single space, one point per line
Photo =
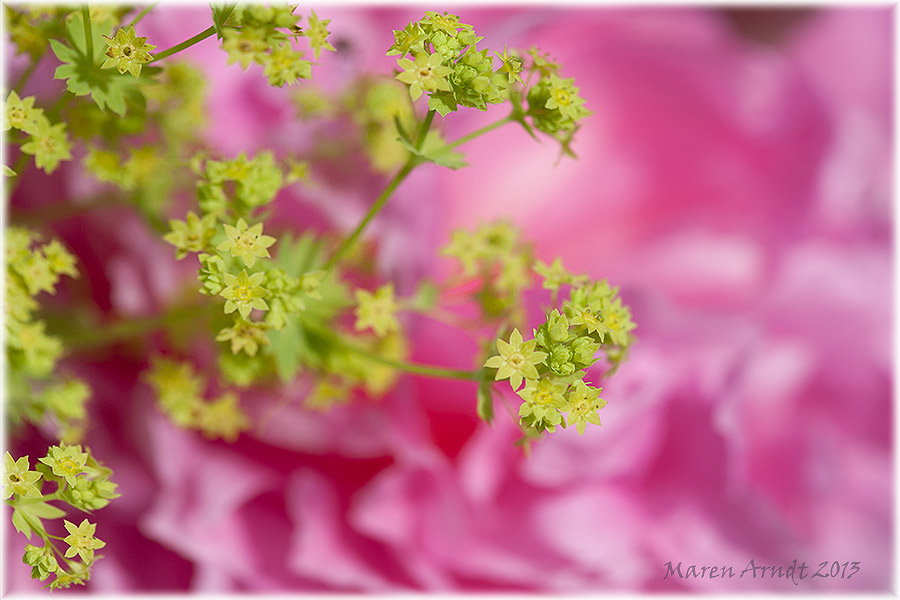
x=734 y=181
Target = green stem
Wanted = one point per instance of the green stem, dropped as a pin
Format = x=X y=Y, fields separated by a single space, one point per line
x=91 y=337
x=88 y=34
x=383 y=197
x=54 y=111
x=142 y=14
x=481 y=131
x=376 y=207
x=415 y=368
x=208 y=32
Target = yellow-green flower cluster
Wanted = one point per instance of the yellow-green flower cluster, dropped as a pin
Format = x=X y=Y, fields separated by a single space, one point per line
x=34 y=392
x=240 y=184
x=553 y=364
x=30 y=26
x=554 y=105
x=444 y=62
x=32 y=268
x=83 y=483
x=47 y=142
x=254 y=35
x=180 y=394
x=496 y=255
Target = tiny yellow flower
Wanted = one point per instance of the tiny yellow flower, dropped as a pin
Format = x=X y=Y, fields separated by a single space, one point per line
x=81 y=540
x=516 y=360
x=244 y=293
x=191 y=235
x=127 y=52
x=426 y=74
x=247 y=243
x=17 y=479
x=222 y=418
x=317 y=34
x=66 y=461
x=556 y=275
x=244 y=335
x=48 y=144
x=377 y=310
x=20 y=113
x=512 y=66
x=583 y=405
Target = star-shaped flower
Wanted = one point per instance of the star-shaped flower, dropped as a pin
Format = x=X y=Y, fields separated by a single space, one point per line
x=377 y=310
x=66 y=461
x=127 y=51
x=17 y=479
x=516 y=360
x=81 y=540
x=244 y=293
x=246 y=243
x=583 y=405
x=425 y=74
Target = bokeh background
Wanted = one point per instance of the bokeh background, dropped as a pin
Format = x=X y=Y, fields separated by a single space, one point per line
x=735 y=181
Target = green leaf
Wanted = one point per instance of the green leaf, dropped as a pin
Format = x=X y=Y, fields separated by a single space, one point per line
x=42 y=509
x=21 y=524
x=435 y=150
x=220 y=14
x=288 y=347
x=75 y=31
x=108 y=88
x=442 y=103
x=63 y=52
x=8 y=172
x=485 y=407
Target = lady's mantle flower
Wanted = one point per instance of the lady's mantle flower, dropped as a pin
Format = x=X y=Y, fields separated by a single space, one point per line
x=20 y=113
x=564 y=97
x=617 y=318
x=244 y=293
x=245 y=46
x=48 y=144
x=66 y=461
x=222 y=418
x=245 y=243
x=512 y=66
x=407 y=40
x=41 y=561
x=81 y=540
x=17 y=479
x=244 y=335
x=127 y=52
x=425 y=74
x=543 y=399
x=583 y=405
x=317 y=34
x=517 y=360
x=191 y=235
x=286 y=66
x=377 y=310
x=555 y=275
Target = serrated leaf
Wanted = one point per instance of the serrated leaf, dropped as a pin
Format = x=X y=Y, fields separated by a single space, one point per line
x=435 y=150
x=485 y=406
x=21 y=524
x=220 y=14
x=63 y=52
x=42 y=510
x=442 y=103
